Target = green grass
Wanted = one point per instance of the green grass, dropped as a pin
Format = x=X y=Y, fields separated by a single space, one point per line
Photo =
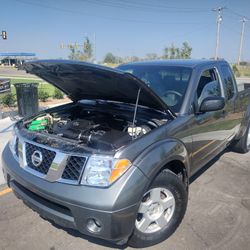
x=46 y=87
x=21 y=80
x=50 y=89
x=42 y=85
x=244 y=71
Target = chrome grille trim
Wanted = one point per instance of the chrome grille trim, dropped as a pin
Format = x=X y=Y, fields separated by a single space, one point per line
x=57 y=166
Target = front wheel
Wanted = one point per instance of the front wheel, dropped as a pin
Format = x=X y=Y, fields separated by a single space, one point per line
x=161 y=210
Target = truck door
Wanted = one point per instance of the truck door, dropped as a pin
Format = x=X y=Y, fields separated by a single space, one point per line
x=234 y=112
x=207 y=132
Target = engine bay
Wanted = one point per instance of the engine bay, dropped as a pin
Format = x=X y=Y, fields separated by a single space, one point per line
x=99 y=129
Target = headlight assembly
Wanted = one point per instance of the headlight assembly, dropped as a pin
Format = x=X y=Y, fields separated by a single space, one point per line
x=103 y=170
x=12 y=142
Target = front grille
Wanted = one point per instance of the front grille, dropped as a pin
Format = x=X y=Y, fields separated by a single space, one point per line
x=16 y=147
x=47 y=155
x=73 y=168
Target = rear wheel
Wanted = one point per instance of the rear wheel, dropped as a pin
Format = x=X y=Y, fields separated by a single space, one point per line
x=161 y=210
x=243 y=145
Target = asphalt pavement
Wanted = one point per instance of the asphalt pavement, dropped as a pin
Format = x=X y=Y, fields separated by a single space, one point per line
x=218 y=216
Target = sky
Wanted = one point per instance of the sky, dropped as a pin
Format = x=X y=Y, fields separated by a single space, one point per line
x=124 y=27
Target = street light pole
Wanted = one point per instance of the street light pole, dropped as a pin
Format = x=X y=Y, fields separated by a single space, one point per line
x=241 y=38
x=218 y=21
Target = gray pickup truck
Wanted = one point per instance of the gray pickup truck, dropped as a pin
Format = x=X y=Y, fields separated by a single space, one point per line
x=115 y=163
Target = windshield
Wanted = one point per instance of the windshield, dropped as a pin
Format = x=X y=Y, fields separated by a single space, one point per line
x=168 y=82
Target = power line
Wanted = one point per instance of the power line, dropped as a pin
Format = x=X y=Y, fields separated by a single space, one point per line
x=39 y=4
x=237 y=14
x=144 y=7
x=147 y=4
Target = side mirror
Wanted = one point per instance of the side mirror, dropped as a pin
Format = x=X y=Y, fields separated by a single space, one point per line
x=212 y=103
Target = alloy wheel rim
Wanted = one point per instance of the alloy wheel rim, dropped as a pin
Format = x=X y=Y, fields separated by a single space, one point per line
x=155 y=211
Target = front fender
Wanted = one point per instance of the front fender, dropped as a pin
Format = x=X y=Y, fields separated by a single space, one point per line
x=157 y=155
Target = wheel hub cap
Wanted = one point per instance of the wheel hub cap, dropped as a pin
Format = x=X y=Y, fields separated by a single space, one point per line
x=155 y=211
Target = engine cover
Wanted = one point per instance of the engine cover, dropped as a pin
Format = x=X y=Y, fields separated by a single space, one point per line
x=95 y=135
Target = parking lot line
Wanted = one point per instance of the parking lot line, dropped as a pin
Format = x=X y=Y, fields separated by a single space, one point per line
x=5 y=191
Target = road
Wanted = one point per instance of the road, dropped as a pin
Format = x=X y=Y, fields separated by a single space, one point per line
x=218 y=216
x=14 y=72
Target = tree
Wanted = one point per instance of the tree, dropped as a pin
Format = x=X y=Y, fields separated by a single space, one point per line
x=236 y=70
x=74 y=54
x=151 y=56
x=134 y=59
x=173 y=52
x=186 y=51
x=109 y=58
x=88 y=49
x=82 y=55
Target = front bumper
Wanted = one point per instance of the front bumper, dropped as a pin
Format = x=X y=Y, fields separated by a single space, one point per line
x=72 y=206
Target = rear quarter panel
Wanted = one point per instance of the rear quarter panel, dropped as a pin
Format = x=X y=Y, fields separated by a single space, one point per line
x=243 y=109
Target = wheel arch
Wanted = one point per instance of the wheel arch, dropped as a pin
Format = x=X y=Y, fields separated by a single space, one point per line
x=169 y=154
x=178 y=168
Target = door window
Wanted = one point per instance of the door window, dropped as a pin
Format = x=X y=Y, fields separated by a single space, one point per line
x=228 y=80
x=209 y=85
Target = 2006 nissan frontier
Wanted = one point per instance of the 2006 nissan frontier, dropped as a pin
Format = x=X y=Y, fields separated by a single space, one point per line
x=115 y=163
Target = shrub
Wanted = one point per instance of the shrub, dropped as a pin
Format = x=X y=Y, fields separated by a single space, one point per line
x=43 y=95
x=8 y=100
x=236 y=70
x=58 y=94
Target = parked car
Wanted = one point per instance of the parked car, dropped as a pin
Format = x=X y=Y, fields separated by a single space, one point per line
x=116 y=162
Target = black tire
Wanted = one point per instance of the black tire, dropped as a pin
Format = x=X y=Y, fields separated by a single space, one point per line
x=166 y=179
x=240 y=145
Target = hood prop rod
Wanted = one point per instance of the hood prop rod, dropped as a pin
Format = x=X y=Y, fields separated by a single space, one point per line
x=135 y=113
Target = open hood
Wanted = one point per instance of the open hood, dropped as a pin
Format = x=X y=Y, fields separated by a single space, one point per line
x=81 y=80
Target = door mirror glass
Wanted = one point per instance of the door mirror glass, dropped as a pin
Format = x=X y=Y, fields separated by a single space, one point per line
x=212 y=103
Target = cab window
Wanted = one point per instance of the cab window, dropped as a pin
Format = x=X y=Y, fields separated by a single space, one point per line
x=228 y=80
x=209 y=85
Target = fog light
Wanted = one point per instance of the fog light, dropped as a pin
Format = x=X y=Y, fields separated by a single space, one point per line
x=94 y=226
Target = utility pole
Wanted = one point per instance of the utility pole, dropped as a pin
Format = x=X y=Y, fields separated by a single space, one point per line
x=243 y=20
x=218 y=21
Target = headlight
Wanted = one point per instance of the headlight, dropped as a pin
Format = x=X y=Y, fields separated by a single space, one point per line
x=103 y=170
x=12 y=142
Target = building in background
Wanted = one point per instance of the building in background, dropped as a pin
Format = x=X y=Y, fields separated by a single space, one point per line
x=13 y=59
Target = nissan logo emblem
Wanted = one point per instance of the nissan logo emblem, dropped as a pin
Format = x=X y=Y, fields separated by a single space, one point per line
x=37 y=158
